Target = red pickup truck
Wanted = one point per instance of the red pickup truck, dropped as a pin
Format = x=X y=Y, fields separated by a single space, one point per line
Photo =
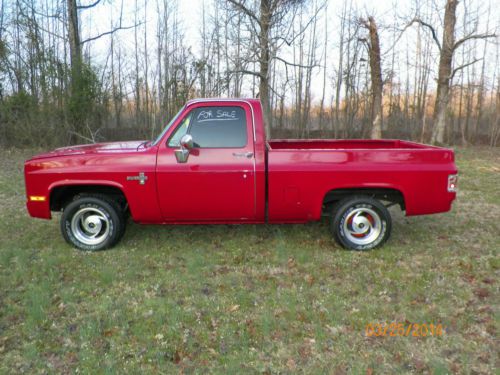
x=212 y=164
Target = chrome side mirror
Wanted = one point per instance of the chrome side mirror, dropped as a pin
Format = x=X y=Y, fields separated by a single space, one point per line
x=187 y=141
x=186 y=144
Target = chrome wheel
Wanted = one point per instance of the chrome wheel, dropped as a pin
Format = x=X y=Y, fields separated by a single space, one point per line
x=362 y=226
x=90 y=225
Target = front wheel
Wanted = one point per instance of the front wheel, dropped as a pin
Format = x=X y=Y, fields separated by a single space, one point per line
x=360 y=223
x=92 y=223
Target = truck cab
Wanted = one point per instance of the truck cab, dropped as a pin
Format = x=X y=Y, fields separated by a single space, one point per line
x=222 y=178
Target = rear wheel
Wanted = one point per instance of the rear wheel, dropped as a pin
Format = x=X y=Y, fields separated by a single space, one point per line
x=92 y=223
x=360 y=223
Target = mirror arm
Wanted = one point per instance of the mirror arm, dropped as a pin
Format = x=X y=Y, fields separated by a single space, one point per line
x=181 y=155
x=186 y=143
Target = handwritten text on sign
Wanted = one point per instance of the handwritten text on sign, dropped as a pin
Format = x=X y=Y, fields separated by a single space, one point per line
x=217 y=115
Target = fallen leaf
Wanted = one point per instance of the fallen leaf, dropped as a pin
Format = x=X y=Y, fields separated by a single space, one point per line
x=251 y=327
x=484 y=357
x=340 y=370
x=277 y=335
x=491 y=329
x=305 y=351
x=177 y=357
x=309 y=279
x=71 y=357
x=419 y=364
x=110 y=332
x=455 y=368
x=291 y=364
x=397 y=357
x=234 y=308
x=482 y=293
x=485 y=309
x=469 y=278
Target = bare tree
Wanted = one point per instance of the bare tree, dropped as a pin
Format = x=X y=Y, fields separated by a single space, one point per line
x=447 y=48
x=376 y=76
x=325 y=70
x=75 y=46
x=339 y=72
x=270 y=20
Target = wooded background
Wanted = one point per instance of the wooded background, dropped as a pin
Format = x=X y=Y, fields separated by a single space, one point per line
x=427 y=70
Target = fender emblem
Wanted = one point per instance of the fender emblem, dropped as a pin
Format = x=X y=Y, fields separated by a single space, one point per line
x=142 y=178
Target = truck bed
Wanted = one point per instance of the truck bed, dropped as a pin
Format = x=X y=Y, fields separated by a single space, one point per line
x=352 y=144
x=302 y=172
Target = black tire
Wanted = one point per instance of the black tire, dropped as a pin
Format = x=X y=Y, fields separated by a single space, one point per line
x=93 y=222
x=360 y=223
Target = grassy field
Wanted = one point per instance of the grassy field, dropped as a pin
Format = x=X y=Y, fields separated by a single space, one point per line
x=253 y=299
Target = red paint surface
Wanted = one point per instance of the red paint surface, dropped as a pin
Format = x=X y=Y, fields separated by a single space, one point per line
x=214 y=186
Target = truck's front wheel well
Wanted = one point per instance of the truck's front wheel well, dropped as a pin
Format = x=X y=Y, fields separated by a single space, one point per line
x=393 y=196
x=62 y=195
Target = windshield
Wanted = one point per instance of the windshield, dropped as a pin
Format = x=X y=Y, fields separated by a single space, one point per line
x=167 y=127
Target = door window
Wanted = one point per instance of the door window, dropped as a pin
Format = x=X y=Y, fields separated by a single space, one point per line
x=214 y=127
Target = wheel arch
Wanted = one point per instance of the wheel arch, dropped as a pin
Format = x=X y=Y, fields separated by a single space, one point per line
x=391 y=194
x=61 y=194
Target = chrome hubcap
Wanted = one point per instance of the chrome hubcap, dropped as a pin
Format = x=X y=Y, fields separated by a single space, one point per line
x=90 y=225
x=362 y=226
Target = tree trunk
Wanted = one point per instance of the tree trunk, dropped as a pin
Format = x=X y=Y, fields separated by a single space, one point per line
x=340 y=72
x=146 y=73
x=495 y=125
x=445 y=61
x=137 y=88
x=480 y=99
x=265 y=54
x=77 y=112
x=325 y=56
x=376 y=79
x=74 y=40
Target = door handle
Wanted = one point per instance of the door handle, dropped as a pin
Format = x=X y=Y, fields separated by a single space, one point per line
x=243 y=154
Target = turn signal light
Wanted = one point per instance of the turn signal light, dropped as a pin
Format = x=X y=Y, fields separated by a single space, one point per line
x=37 y=198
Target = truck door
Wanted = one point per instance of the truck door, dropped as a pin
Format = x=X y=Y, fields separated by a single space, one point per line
x=217 y=182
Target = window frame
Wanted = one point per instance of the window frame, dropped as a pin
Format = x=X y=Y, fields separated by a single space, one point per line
x=191 y=124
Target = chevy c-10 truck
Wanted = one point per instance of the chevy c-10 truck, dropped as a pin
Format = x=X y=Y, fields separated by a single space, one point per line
x=212 y=164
